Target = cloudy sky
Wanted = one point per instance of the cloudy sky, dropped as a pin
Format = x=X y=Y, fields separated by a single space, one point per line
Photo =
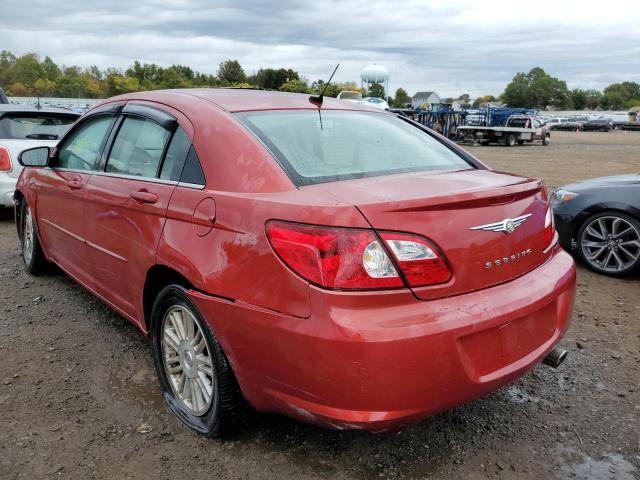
x=450 y=46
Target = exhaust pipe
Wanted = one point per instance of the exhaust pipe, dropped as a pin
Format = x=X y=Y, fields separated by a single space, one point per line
x=555 y=357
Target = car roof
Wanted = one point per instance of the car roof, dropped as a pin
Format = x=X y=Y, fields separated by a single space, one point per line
x=18 y=108
x=238 y=100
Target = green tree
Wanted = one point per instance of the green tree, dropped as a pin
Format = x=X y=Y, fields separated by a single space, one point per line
x=619 y=96
x=231 y=71
x=49 y=70
x=273 y=79
x=296 y=86
x=593 y=98
x=578 y=98
x=536 y=89
x=44 y=87
x=481 y=101
x=401 y=98
x=376 y=90
x=27 y=69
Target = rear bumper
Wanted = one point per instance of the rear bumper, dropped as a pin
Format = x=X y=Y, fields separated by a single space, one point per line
x=378 y=362
x=7 y=187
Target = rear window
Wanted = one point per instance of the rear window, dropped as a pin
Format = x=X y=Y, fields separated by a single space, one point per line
x=316 y=147
x=35 y=126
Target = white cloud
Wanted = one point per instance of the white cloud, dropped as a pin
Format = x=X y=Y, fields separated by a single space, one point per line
x=448 y=46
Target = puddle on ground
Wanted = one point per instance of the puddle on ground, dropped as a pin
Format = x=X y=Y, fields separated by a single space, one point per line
x=141 y=385
x=612 y=466
x=518 y=396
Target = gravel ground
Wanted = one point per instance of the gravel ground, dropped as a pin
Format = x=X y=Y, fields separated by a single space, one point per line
x=79 y=399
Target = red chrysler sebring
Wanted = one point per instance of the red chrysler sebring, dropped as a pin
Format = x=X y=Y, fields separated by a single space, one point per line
x=332 y=262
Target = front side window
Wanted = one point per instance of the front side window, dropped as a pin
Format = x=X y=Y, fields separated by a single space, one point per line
x=35 y=126
x=316 y=147
x=137 y=148
x=80 y=150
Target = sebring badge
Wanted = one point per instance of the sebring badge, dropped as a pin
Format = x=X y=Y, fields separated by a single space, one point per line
x=508 y=225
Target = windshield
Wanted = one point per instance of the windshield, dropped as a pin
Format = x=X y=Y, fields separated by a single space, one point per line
x=341 y=145
x=346 y=95
x=35 y=126
x=519 y=122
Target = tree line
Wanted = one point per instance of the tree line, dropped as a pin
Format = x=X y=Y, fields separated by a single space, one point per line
x=29 y=75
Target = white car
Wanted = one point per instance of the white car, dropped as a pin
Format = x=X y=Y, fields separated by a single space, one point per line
x=376 y=102
x=22 y=127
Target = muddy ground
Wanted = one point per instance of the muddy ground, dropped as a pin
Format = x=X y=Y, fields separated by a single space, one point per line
x=78 y=396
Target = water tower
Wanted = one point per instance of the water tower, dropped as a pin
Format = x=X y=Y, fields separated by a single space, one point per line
x=375 y=74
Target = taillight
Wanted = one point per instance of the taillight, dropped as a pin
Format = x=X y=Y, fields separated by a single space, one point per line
x=549 y=229
x=419 y=260
x=340 y=258
x=5 y=160
x=355 y=259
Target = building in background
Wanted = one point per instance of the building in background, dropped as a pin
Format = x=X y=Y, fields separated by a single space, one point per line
x=428 y=99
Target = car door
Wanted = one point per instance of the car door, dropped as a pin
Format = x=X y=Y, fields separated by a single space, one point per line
x=60 y=189
x=538 y=129
x=126 y=204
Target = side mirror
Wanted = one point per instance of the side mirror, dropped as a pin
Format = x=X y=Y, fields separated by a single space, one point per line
x=34 y=157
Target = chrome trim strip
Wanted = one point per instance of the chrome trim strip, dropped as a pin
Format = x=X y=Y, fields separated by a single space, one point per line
x=190 y=185
x=63 y=230
x=83 y=240
x=135 y=177
x=107 y=252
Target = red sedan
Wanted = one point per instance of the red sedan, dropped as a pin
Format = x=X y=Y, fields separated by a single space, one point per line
x=321 y=259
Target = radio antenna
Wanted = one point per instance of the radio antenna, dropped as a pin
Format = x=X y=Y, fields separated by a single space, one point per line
x=319 y=98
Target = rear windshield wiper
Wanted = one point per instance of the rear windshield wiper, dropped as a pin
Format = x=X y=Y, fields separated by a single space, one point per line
x=42 y=136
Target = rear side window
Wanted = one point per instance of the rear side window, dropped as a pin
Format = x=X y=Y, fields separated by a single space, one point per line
x=192 y=171
x=316 y=147
x=176 y=156
x=81 y=148
x=35 y=126
x=137 y=148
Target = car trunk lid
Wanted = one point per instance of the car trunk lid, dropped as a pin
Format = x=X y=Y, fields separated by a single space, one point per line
x=466 y=214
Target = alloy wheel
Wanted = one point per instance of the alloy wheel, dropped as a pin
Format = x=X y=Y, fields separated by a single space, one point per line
x=610 y=244
x=187 y=360
x=27 y=236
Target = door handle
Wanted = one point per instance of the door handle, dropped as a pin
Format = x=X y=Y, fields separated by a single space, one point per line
x=144 y=197
x=74 y=184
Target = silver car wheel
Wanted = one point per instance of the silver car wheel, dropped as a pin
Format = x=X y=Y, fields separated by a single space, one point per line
x=610 y=244
x=187 y=359
x=27 y=236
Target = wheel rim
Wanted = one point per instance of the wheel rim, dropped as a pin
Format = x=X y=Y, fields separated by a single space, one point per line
x=611 y=244
x=27 y=236
x=187 y=360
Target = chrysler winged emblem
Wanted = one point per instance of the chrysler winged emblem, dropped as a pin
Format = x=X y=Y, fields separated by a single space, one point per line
x=508 y=225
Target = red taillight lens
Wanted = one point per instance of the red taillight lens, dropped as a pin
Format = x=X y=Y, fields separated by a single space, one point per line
x=340 y=258
x=549 y=229
x=5 y=160
x=419 y=260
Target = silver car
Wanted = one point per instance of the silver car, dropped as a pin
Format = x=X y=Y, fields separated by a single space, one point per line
x=22 y=127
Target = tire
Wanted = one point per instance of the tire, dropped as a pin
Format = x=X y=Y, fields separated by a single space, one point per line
x=520 y=142
x=605 y=253
x=33 y=256
x=546 y=140
x=186 y=372
x=484 y=143
x=511 y=140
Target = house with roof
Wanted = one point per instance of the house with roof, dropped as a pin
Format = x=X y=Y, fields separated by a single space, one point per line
x=430 y=98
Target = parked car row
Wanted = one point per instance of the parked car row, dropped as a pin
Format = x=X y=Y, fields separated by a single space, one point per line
x=599 y=125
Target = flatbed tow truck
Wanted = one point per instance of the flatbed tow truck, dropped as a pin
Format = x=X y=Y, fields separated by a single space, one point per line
x=518 y=129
